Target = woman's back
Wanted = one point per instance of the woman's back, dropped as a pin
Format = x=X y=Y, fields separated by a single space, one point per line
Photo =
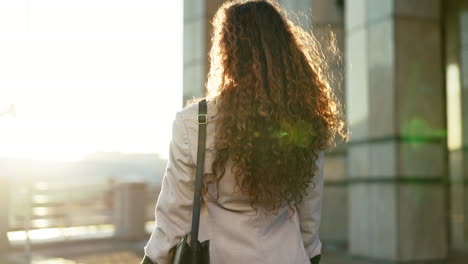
x=238 y=233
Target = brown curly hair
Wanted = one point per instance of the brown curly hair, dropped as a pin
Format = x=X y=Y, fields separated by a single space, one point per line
x=276 y=108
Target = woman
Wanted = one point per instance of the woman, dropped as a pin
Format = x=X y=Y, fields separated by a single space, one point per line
x=271 y=113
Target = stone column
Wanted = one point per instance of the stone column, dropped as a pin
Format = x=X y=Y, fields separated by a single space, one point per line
x=328 y=19
x=194 y=49
x=129 y=210
x=395 y=102
x=456 y=55
x=197 y=44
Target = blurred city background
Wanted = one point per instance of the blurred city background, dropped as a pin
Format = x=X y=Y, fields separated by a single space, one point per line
x=88 y=91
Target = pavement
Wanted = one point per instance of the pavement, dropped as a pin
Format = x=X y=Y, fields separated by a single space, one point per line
x=130 y=252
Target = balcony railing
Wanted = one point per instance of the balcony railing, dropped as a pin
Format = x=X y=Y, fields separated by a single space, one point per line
x=46 y=211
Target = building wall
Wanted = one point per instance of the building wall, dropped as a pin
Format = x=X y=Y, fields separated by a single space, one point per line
x=194 y=48
x=395 y=101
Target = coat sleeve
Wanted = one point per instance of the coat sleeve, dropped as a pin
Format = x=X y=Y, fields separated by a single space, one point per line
x=309 y=211
x=174 y=207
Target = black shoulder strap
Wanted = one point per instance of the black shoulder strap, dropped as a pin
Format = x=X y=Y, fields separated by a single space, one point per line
x=202 y=119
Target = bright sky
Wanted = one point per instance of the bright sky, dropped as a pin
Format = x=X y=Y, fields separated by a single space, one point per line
x=89 y=76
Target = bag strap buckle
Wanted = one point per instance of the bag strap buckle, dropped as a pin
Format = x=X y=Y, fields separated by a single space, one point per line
x=202 y=119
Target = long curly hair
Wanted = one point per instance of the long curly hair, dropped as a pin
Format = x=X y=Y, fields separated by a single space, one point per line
x=276 y=108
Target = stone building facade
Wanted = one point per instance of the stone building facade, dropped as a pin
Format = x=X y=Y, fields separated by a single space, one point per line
x=397 y=191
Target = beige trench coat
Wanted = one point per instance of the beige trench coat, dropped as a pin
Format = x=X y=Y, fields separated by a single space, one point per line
x=237 y=233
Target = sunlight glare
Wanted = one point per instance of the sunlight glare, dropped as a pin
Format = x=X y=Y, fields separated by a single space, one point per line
x=109 y=83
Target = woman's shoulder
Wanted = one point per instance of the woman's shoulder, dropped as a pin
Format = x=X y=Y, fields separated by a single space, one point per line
x=190 y=111
x=188 y=118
